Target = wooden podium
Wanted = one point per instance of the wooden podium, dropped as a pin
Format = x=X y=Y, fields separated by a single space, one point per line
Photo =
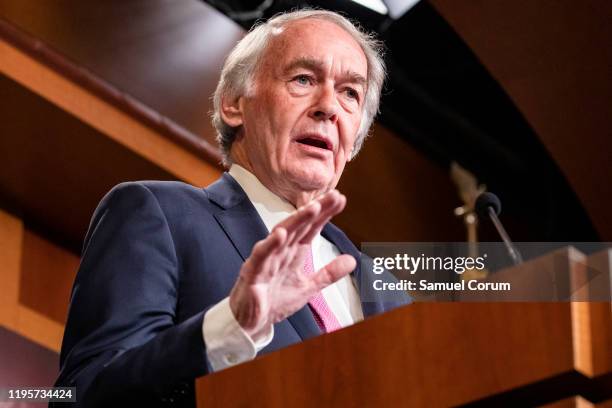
x=442 y=354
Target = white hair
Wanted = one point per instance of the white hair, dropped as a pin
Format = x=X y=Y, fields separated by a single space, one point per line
x=239 y=68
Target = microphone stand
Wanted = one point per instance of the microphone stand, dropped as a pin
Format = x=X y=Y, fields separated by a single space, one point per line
x=512 y=251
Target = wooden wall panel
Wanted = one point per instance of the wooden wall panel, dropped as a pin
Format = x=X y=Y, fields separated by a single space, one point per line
x=166 y=54
x=396 y=194
x=105 y=117
x=47 y=274
x=11 y=236
x=38 y=327
x=554 y=59
x=35 y=325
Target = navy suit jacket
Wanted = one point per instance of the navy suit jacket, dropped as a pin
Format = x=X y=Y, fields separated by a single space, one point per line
x=156 y=257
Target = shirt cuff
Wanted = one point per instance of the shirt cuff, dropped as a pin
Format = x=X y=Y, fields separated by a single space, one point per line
x=227 y=343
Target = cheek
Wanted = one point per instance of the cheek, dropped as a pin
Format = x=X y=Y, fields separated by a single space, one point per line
x=343 y=155
x=348 y=131
x=283 y=113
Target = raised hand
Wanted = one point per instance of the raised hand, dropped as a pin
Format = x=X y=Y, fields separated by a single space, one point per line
x=272 y=284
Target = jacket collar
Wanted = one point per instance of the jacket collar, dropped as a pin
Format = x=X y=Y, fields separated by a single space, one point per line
x=237 y=216
x=363 y=280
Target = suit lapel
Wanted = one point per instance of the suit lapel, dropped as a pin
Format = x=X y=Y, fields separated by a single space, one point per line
x=304 y=323
x=363 y=281
x=237 y=216
x=244 y=227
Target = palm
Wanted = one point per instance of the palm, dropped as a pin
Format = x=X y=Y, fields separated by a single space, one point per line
x=272 y=283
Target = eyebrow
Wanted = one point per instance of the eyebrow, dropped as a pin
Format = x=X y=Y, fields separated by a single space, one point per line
x=317 y=66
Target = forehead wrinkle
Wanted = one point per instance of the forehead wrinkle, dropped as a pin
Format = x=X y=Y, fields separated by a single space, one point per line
x=310 y=63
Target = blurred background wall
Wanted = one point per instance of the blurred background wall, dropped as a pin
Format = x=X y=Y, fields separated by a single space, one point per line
x=95 y=93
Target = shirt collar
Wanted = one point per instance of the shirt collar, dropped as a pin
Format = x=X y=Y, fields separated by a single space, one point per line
x=271 y=208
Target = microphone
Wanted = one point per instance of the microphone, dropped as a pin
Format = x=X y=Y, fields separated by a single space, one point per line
x=489 y=204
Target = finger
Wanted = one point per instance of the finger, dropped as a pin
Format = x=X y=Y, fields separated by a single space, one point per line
x=299 y=220
x=327 y=203
x=333 y=209
x=289 y=258
x=258 y=262
x=334 y=271
x=299 y=257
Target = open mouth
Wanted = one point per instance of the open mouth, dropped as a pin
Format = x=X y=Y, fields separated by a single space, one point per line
x=315 y=142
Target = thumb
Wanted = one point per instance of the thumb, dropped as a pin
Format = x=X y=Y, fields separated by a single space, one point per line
x=333 y=271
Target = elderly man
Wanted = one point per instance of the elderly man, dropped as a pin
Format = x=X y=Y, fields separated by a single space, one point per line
x=177 y=281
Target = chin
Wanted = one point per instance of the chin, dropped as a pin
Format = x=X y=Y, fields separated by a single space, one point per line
x=309 y=179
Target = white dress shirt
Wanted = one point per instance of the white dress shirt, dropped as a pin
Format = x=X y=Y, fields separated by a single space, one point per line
x=227 y=344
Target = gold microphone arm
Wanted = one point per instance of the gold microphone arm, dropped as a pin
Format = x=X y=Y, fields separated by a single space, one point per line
x=468 y=189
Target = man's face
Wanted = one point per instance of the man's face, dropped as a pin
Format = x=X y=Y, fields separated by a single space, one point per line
x=301 y=119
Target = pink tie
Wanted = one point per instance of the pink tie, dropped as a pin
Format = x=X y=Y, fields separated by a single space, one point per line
x=322 y=313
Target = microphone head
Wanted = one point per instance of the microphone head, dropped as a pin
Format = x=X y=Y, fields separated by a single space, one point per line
x=484 y=201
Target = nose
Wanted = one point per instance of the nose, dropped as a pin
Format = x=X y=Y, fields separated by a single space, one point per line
x=325 y=106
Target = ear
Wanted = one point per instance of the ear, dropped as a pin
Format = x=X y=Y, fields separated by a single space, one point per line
x=231 y=111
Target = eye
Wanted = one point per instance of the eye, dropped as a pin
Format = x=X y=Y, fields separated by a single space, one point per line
x=303 y=79
x=352 y=93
